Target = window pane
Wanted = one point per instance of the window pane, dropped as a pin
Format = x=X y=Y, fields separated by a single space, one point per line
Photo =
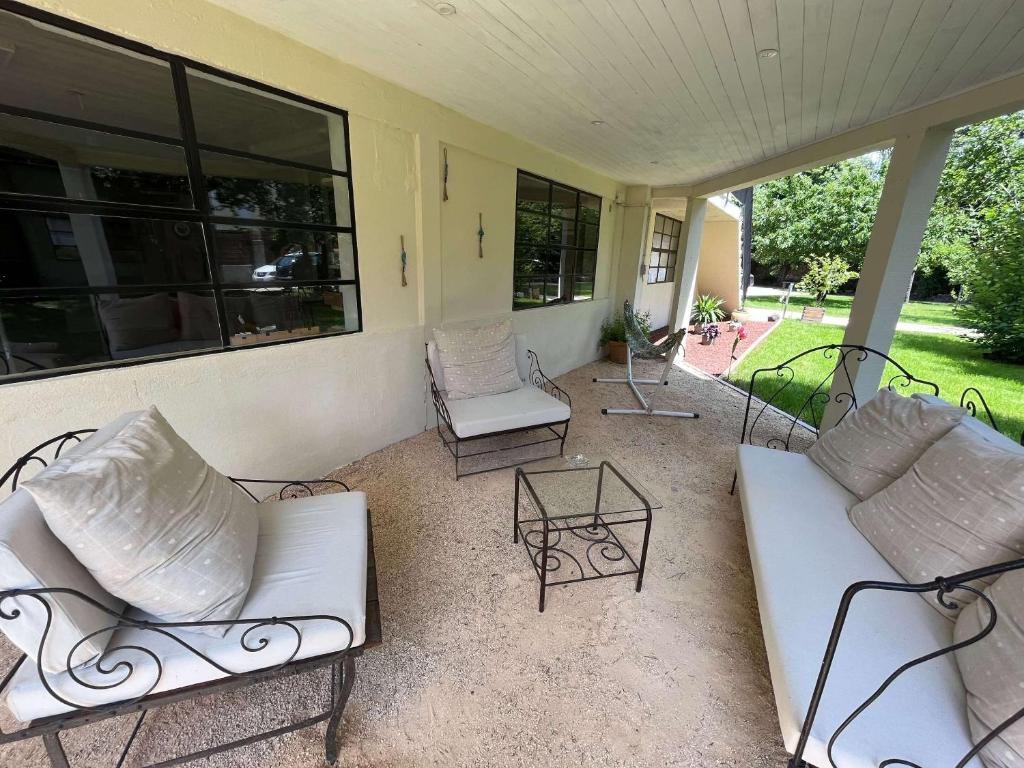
x=590 y=208
x=63 y=74
x=676 y=227
x=271 y=255
x=260 y=315
x=531 y=229
x=532 y=194
x=586 y=263
x=563 y=202
x=583 y=289
x=553 y=288
x=43 y=158
x=563 y=232
x=43 y=333
x=674 y=244
x=670 y=275
x=253 y=189
x=588 y=236
x=659 y=223
x=236 y=117
x=55 y=249
x=527 y=291
x=534 y=260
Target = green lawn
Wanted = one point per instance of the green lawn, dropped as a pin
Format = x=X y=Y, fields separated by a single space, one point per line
x=950 y=361
x=929 y=312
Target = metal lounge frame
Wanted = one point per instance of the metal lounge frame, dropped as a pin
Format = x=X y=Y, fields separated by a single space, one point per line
x=255 y=639
x=550 y=431
x=669 y=348
x=808 y=416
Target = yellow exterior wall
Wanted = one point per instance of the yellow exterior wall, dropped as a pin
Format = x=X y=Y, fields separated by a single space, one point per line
x=718 y=271
x=346 y=396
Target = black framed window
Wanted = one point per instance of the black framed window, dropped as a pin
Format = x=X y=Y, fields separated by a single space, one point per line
x=557 y=230
x=151 y=206
x=664 y=249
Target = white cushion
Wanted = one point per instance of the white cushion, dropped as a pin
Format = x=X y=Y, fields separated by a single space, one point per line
x=878 y=442
x=979 y=426
x=154 y=523
x=522 y=360
x=478 y=361
x=805 y=553
x=959 y=507
x=527 y=406
x=31 y=557
x=311 y=559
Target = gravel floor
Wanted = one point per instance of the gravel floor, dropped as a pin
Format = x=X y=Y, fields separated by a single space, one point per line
x=471 y=674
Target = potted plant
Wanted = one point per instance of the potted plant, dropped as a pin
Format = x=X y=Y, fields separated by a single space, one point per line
x=824 y=275
x=613 y=334
x=706 y=313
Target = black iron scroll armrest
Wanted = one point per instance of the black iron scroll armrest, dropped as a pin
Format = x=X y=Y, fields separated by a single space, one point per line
x=292 y=487
x=116 y=670
x=943 y=588
x=439 y=404
x=540 y=380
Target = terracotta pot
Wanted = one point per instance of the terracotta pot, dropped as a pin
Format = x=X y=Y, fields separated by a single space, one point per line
x=813 y=314
x=617 y=352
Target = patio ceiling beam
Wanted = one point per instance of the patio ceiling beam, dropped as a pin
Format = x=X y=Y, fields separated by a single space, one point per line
x=689 y=255
x=980 y=103
x=907 y=197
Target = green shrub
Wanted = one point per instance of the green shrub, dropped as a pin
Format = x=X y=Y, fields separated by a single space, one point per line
x=707 y=309
x=997 y=287
x=825 y=275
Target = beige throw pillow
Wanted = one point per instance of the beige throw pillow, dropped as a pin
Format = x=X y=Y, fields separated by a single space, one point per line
x=961 y=506
x=993 y=670
x=478 y=361
x=878 y=442
x=154 y=524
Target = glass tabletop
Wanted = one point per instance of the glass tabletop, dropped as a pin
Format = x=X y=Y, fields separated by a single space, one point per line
x=576 y=485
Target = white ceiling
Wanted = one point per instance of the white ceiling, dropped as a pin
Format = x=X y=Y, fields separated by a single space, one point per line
x=678 y=82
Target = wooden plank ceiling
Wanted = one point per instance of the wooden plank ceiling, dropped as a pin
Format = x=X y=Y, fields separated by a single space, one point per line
x=679 y=85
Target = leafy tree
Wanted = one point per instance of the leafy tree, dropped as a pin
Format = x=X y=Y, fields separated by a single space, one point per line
x=825 y=274
x=827 y=210
x=997 y=285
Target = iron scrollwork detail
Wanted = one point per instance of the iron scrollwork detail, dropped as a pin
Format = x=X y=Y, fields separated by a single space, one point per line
x=292 y=489
x=540 y=380
x=943 y=587
x=116 y=661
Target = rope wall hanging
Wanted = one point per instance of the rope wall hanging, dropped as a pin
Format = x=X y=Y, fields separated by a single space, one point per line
x=405 y=260
x=480 y=234
x=446 y=174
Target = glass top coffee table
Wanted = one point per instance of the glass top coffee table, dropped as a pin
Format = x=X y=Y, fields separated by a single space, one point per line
x=581 y=519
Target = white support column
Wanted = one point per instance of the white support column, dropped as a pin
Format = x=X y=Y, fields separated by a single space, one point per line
x=633 y=220
x=686 y=266
x=907 y=197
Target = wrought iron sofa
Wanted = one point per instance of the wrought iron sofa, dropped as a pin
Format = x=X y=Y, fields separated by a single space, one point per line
x=488 y=423
x=822 y=588
x=312 y=605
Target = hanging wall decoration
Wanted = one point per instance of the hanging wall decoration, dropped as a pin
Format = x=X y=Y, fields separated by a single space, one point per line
x=446 y=174
x=405 y=260
x=480 y=235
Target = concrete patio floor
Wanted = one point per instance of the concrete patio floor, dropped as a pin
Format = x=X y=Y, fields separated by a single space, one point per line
x=470 y=674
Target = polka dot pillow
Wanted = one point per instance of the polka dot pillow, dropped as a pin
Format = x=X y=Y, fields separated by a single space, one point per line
x=993 y=670
x=154 y=524
x=959 y=507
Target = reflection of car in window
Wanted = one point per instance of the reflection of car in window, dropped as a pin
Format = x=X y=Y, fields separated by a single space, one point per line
x=293 y=265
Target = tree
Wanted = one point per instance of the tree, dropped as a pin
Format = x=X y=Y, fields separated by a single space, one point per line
x=997 y=285
x=825 y=274
x=827 y=210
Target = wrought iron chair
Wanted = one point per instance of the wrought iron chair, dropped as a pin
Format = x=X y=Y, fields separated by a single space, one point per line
x=112 y=670
x=641 y=347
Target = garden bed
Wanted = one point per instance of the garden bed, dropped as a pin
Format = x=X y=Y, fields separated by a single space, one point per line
x=714 y=358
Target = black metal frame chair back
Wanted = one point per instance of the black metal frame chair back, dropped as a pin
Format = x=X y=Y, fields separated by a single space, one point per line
x=550 y=430
x=254 y=640
x=943 y=589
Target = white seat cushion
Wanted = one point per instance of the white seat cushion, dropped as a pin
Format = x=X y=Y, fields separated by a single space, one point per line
x=805 y=553
x=310 y=559
x=31 y=557
x=527 y=406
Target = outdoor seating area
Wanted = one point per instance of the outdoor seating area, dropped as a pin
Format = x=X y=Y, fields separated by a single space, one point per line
x=489 y=384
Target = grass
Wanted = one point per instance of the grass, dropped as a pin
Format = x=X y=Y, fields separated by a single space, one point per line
x=950 y=361
x=926 y=312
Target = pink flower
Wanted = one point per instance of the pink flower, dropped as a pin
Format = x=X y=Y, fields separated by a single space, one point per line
x=741 y=332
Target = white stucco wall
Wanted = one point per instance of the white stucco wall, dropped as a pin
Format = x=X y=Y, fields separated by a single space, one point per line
x=306 y=407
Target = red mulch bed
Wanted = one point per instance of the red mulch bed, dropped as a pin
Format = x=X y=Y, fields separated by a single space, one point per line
x=714 y=358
